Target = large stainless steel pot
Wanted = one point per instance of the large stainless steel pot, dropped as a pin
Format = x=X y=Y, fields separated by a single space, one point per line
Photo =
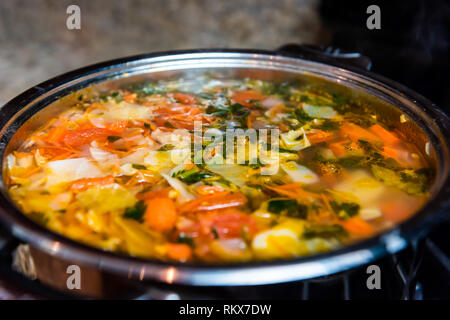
x=429 y=129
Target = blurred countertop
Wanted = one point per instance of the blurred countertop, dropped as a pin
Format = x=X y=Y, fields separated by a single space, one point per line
x=36 y=45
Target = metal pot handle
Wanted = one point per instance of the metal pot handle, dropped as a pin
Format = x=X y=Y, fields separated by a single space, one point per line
x=353 y=59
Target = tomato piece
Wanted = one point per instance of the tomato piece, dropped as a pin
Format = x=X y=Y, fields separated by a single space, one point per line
x=232 y=224
x=80 y=137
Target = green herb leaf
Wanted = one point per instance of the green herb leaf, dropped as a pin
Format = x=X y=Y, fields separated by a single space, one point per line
x=136 y=212
x=182 y=238
x=166 y=147
x=324 y=231
x=139 y=166
x=113 y=138
x=411 y=181
x=288 y=207
x=168 y=125
x=345 y=210
x=302 y=116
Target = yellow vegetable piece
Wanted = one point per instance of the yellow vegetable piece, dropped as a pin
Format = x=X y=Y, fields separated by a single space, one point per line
x=106 y=198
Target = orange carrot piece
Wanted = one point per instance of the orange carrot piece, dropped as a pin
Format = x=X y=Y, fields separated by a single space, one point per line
x=161 y=213
x=246 y=97
x=163 y=193
x=178 y=251
x=293 y=190
x=129 y=97
x=391 y=152
x=219 y=200
x=344 y=147
x=339 y=147
x=184 y=98
x=358 y=226
x=355 y=132
x=319 y=136
x=56 y=134
x=54 y=151
x=388 y=137
x=83 y=184
x=118 y=126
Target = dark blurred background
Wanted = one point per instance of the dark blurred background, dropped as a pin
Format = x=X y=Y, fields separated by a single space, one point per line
x=411 y=47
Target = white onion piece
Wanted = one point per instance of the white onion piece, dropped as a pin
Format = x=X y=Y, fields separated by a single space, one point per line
x=185 y=195
x=101 y=155
x=179 y=138
x=370 y=213
x=232 y=172
x=233 y=244
x=271 y=102
x=128 y=111
x=71 y=169
x=299 y=173
x=10 y=161
x=135 y=157
x=98 y=122
x=176 y=169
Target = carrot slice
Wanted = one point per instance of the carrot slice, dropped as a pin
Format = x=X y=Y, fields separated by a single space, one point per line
x=184 y=98
x=345 y=147
x=219 y=200
x=340 y=147
x=56 y=134
x=355 y=132
x=118 y=125
x=319 y=136
x=83 y=184
x=293 y=190
x=161 y=213
x=129 y=97
x=358 y=226
x=178 y=251
x=246 y=97
x=163 y=193
x=388 y=137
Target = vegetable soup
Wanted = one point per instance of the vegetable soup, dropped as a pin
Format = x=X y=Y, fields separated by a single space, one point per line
x=106 y=172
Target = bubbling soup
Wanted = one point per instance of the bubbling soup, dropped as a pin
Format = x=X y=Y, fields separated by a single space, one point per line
x=133 y=171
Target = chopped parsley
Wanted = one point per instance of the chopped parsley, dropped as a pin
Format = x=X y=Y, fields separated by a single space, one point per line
x=136 y=212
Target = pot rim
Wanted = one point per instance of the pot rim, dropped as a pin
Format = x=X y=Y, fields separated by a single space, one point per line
x=254 y=273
